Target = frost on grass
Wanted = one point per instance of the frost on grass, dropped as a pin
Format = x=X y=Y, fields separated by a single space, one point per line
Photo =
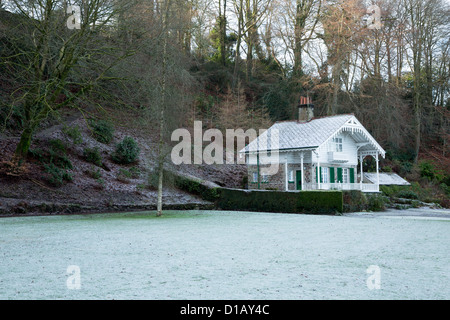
x=223 y=255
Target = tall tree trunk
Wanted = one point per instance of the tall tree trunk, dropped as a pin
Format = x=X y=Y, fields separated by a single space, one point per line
x=336 y=79
x=162 y=109
x=222 y=31
x=24 y=144
x=299 y=26
x=416 y=17
x=250 y=38
x=238 y=44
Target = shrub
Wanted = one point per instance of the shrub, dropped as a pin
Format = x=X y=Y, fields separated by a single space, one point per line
x=135 y=172
x=103 y=131
x=376 y=203
x=61 y=161
x=387 y=190
x=51 y=157
x=101 y=184
x=55 y=163
x=58 y=146
x=37 y=154
x=429 y=171
x=445 y=188
x=74 y=133
x=57 y=175
x=408 y=194
x=445 y=203
x=92 y=155
x=95 y=173
x=415 y=204
x=354 y=201
x=127 y=151
x=124 y=174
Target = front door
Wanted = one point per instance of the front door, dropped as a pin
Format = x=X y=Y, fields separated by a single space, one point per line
x=298 y=179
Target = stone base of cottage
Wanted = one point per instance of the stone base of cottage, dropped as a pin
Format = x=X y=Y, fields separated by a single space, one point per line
x=277 y=181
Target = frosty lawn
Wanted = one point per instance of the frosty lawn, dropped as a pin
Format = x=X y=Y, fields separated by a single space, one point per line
x=224 y=255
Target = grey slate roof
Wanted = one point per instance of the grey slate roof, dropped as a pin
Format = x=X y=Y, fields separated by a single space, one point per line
x=295 y=135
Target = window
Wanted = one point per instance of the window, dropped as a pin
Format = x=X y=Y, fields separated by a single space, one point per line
x=338 y=144
x=255 y=176
x=291 y=175
x=265 y=178
x=345 y=175
x=324 y=174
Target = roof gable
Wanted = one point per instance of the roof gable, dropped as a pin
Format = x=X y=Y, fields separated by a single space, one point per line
x=296 y=135
x=308 y=135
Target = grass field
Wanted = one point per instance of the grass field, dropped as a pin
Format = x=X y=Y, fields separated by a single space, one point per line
x=224 y=255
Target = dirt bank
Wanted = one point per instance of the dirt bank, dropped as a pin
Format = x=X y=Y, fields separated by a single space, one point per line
x=102 y=188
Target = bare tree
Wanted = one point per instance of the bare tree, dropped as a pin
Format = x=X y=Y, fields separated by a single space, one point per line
x=163 y=82
x=49 y=64
x=425 y=18
x=342 y=26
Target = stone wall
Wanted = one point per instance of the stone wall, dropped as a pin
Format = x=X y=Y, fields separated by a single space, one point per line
x=274 y=182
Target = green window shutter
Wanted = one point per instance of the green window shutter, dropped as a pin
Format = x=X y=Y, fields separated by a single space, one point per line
x=317 y=171
x=339 y=175
x=352 y=175
x=321 y=178
x=331 y=174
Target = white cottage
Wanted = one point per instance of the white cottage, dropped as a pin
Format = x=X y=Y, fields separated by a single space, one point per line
x=312 y=154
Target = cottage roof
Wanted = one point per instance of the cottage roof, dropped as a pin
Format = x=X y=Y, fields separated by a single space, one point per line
x=310 y=135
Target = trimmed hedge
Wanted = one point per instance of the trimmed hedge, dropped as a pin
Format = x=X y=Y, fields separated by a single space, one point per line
x=315 y=202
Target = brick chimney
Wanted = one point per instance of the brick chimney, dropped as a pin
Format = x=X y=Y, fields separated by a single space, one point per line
x=305 y=109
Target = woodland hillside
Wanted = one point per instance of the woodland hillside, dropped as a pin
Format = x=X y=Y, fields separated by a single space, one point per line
x=90 y=91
